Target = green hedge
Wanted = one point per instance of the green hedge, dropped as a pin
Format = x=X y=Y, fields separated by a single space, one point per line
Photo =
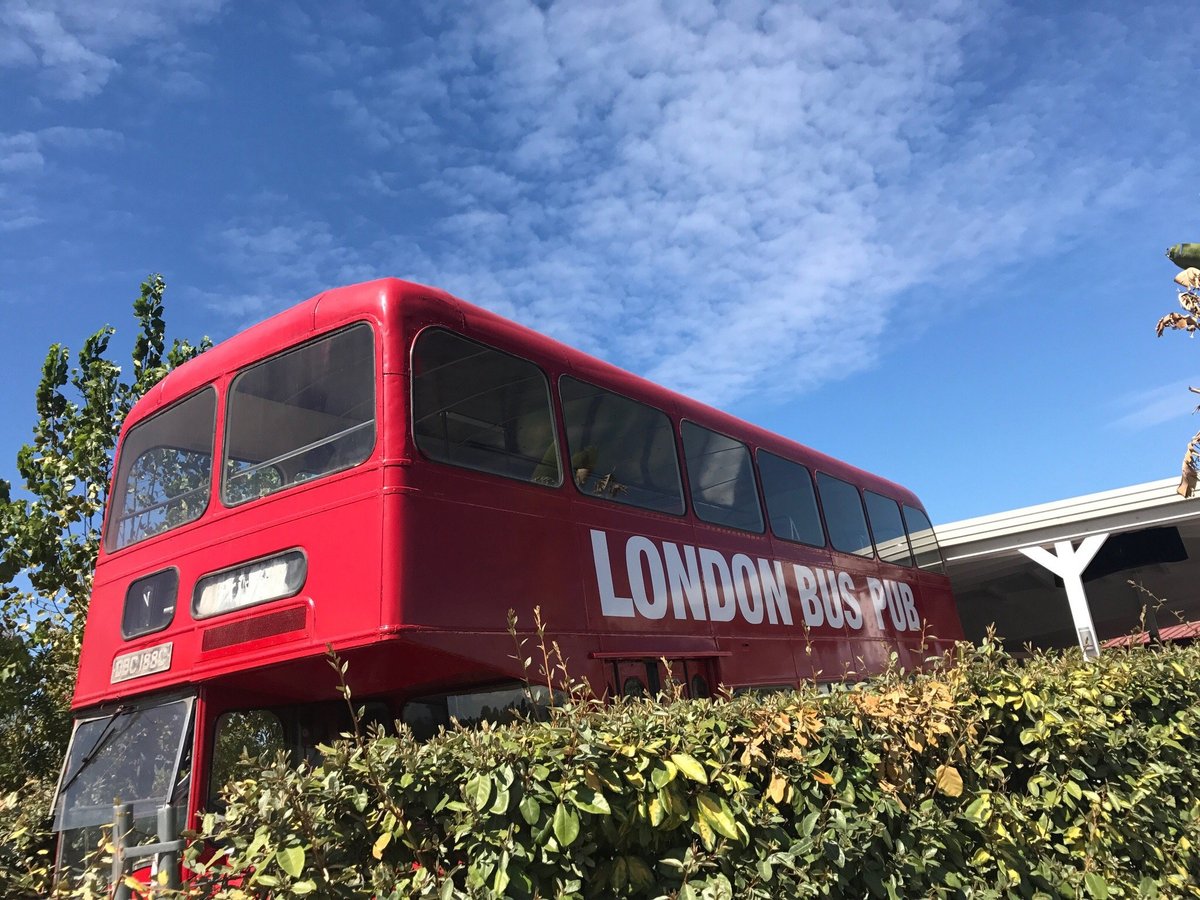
x=992 y=778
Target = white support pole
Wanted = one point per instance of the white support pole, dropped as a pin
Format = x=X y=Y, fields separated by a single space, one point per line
x=1068 y=563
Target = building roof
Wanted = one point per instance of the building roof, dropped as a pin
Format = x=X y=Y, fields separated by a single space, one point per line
x=1185 y=631
x=1123 y=509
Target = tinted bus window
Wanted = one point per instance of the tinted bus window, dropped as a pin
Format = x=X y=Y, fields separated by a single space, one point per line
x=165 y=471
x=499 y=705
x=482 y=409
x=252 y=733
x=844 y=515
x=791 y=500
x=890 y=538
x=621 y=450
x=721 y=478
x=924 y=542
x=300 y=415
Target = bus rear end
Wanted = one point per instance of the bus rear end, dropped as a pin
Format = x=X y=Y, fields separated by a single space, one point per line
x=246 y=484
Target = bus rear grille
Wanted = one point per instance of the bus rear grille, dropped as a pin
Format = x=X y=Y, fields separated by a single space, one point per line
x=281 y=622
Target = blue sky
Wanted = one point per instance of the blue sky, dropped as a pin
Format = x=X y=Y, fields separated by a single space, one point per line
x=926 y=238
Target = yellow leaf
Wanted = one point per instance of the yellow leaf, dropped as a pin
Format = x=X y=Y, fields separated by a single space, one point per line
x=690 y=767
x=777 y=789
x=381 y=844
x=949 y=782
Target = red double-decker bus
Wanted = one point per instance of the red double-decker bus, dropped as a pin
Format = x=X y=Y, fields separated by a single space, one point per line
x=389 y=470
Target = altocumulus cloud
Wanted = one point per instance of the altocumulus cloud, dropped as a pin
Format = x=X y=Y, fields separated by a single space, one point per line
x=729 y=197
x=74 y=45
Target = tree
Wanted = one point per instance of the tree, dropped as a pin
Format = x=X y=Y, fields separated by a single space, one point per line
x=1187 y=257
x=50 y=535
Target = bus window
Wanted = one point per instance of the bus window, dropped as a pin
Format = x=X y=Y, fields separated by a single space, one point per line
x=924 y=541
x=722 y=479
x=482 y=409
x=884 y=514
x=844 y=515
x=300 y=415
x=150 y=604
x=761 y=690
x=499 y=705
x=164 y=472
x=251 y=732
x=621 y=450
x=791 y=500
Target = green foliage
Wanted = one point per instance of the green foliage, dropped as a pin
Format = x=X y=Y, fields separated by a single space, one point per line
x=49 y=537
x=991 y=778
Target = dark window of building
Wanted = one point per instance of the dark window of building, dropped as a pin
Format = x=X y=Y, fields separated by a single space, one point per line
x=791 y=500
x=482 y=409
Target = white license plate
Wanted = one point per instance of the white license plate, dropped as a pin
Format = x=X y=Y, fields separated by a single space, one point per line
x=141 y=662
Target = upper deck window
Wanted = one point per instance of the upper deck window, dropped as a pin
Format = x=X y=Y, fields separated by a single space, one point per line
x=482 y=409
x=791 y=500
x=164 y=472
x=621 y=450
x=844 y=516
x=722 y=479
x=305 y=413
x=890 y=538
x=924 y=542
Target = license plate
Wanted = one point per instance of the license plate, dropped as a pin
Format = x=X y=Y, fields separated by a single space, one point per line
x=141 y=662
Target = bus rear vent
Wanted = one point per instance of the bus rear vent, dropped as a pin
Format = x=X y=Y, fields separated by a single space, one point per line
x=281 y=622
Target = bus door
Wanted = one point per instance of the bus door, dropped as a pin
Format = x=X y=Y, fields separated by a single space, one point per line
x=649 y=677
x=694 y=675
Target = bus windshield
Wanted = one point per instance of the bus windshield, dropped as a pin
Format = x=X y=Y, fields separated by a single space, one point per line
x=136 y=754
x=133 y=754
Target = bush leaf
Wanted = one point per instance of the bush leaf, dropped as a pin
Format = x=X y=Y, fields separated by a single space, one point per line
x=566 y=826
x=690 y=767
x=291 y=860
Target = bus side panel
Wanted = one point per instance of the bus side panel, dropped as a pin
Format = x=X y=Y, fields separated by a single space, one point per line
x=474 y=546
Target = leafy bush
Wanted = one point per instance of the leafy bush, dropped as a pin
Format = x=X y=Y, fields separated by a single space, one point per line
x=990 y=778
x=26 y=843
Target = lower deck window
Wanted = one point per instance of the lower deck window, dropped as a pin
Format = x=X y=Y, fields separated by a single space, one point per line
x=499 y=705
x=295 y=731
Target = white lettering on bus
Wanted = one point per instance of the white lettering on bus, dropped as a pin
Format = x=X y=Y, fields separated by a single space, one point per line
x=682 y=581
x=722 y=605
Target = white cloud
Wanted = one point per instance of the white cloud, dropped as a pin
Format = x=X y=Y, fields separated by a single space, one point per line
x=28 y=159
x=1153 y=406
x=729 y=197
x=74 y=46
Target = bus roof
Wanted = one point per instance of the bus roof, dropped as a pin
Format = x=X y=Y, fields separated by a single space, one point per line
x=388 y=301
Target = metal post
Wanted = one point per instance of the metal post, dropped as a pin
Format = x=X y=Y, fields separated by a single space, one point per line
x=1068 y=563
x=168 y=860
x=122 y=822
